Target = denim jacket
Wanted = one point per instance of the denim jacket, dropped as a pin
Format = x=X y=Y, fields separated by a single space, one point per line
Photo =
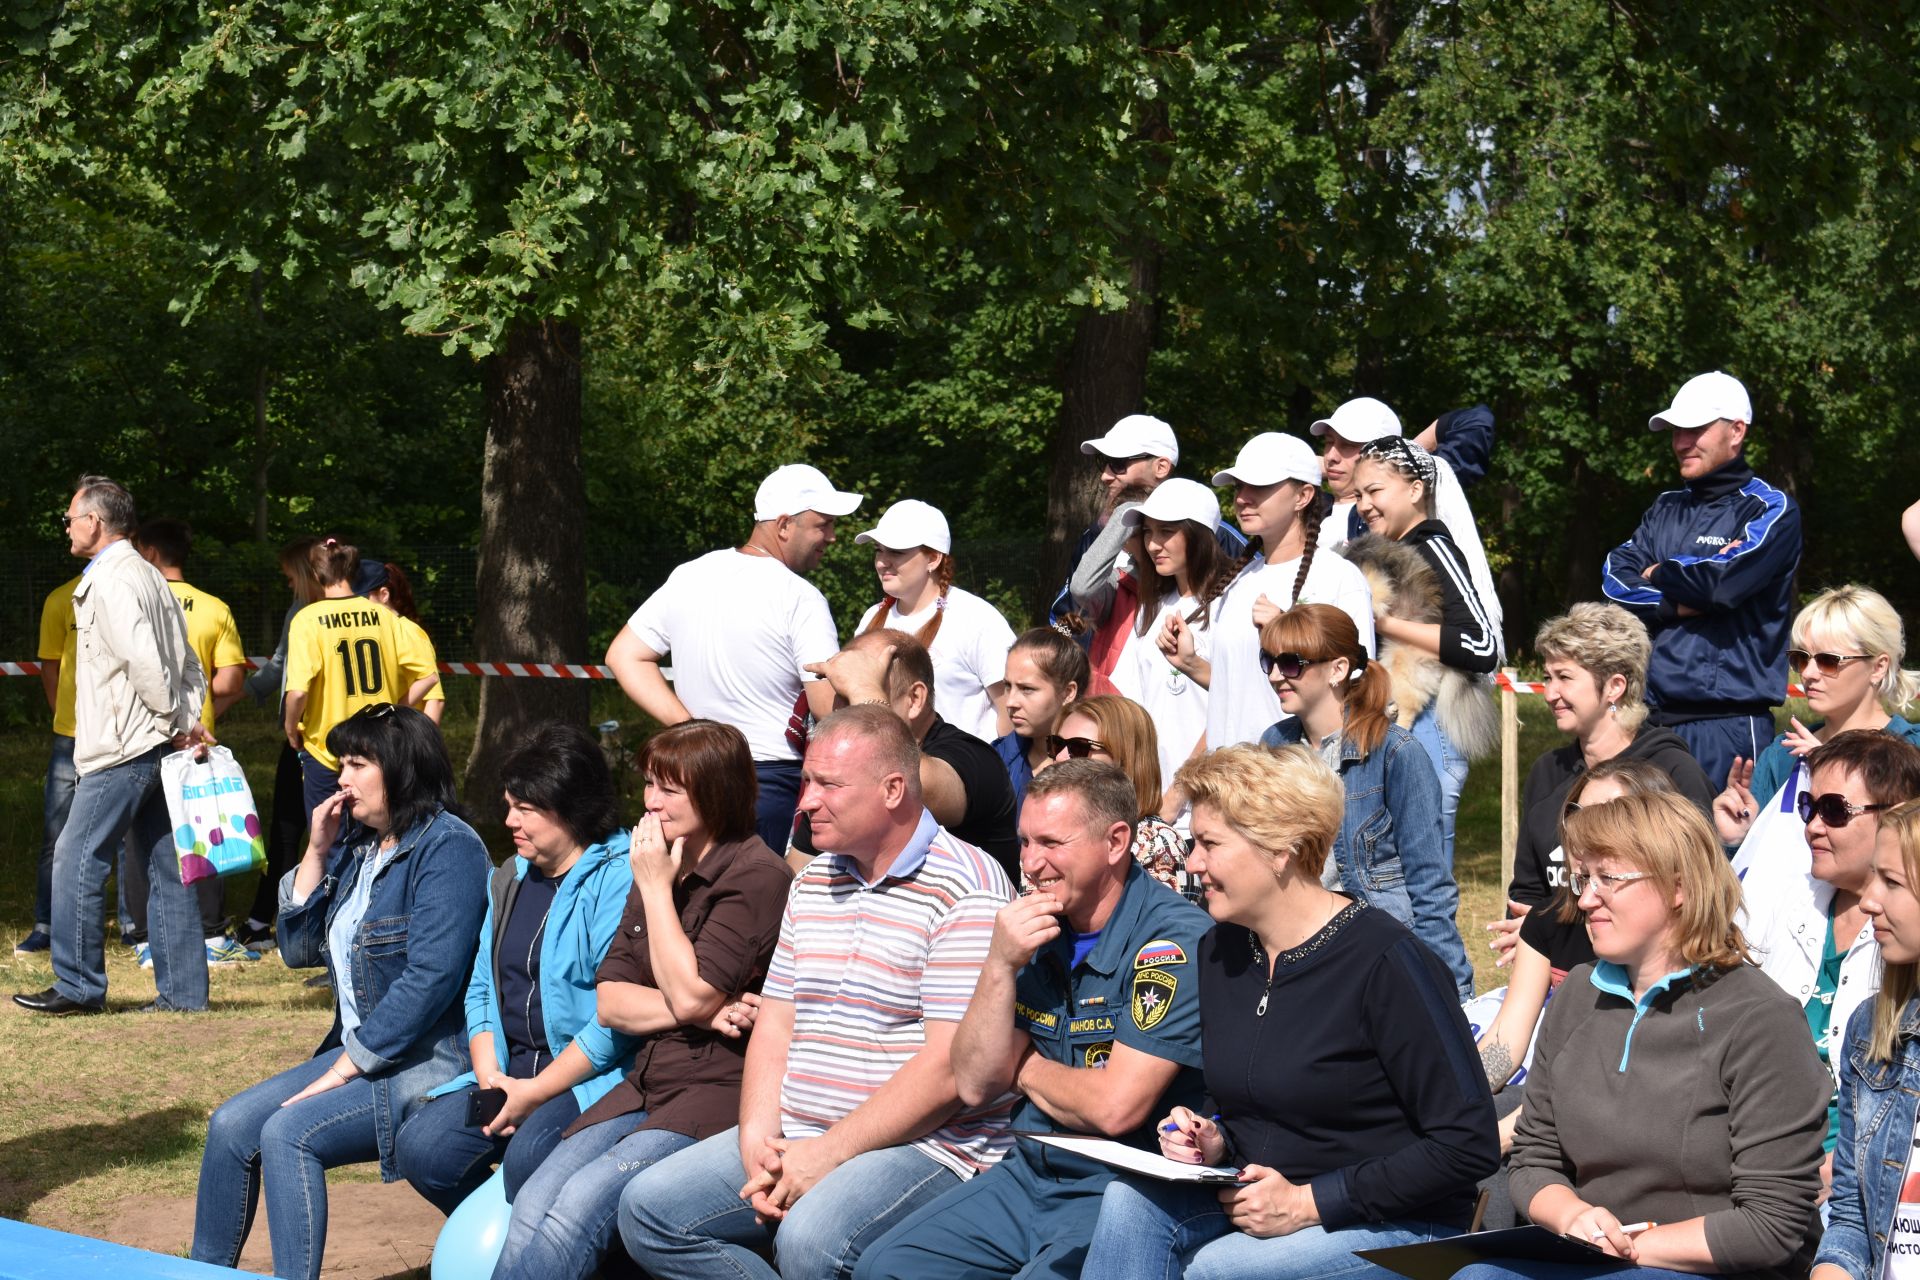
x=1877 y=1101
x=1389 y=849
x=580 y=927
x=408 y=965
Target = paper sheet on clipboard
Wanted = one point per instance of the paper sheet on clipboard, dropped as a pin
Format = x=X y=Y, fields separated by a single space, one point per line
x=1149 y=1164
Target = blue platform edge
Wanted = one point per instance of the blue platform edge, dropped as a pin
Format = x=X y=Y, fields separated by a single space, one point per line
x=28 y=1252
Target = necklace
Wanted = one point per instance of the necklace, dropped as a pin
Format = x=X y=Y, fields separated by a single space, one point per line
x=1294 y=955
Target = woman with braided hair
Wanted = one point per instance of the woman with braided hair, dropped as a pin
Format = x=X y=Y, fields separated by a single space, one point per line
x=1278 y=505
x=965 y=636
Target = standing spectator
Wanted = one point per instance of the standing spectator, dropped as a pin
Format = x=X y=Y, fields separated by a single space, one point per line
x=1138 y=450
x=215 y=641
x=1277 y=500
x=1874 y=1231
x=1119 y=731
x=1088 y=1010
x=1710 y=570
x=1045 y=671
x=57 y=659
x=1848 y=646
x=343 y=654
x=138 y=690
x=741 y=624
x=850 y=1119
x=395 y=591
x=1388 y=852
x=287 y=822
x=1596 y=667
x=1106 y=596
x=966 y=636
x=1437 y=639
x=1461 y=443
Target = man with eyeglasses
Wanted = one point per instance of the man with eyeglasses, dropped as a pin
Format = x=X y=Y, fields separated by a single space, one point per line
x=1710 y=571
x=1801 y=915
x=138 y=690
x=1137 y=452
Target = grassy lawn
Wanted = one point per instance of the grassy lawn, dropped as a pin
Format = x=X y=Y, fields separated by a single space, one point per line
x=95 y=1111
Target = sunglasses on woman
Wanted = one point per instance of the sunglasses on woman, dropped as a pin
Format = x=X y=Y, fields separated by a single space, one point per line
x=1291 y=666
x=1833 y=808
x=1828 y=664
x=1076 y=748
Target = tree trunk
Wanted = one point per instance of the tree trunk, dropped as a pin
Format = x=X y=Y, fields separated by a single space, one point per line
x=532 y=582
x=1103 y=379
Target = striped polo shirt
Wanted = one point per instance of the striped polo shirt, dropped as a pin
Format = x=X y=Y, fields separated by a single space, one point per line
x=866 y=965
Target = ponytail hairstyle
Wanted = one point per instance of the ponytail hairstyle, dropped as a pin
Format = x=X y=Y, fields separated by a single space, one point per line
x=1899 y=983
x=1058 y=655
x=1320 y=633
x=400 y=593
x=333 y=561
x=943 y=578
x=1208 y=573
x=296 y=561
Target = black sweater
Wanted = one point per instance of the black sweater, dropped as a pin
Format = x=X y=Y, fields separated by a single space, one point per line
x=1360 y=1077
x=1467 y=639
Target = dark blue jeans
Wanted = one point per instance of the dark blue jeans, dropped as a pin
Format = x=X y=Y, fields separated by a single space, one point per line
x=445 y=1160
x=779 y=801
x=59 y=799
x=107 y=805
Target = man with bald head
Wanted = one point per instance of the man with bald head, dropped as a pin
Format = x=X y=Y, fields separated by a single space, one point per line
x=849 y=1116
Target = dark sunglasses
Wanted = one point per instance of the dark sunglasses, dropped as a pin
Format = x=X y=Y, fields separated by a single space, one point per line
x=66 y=522
x=1833 y=808
x=1829 y=664
x=1290 y=665
x=1117 y=465
x=1077 y=748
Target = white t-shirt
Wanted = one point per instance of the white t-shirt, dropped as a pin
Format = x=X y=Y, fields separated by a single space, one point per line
x=1451 y=508
x=969 y=655
x=739 y=628
x=1177 y=705
x=1903 y=1237
x=1241 y=703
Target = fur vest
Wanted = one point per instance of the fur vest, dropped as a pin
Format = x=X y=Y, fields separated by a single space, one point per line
x=1405 y=586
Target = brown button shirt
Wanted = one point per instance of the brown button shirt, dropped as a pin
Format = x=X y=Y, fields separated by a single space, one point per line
x=687 y=1079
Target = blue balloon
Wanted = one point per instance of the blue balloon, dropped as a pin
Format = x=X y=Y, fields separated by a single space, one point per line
x=476 y=1231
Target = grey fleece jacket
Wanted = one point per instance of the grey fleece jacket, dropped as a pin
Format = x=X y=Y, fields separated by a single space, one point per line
x=1708 y=1101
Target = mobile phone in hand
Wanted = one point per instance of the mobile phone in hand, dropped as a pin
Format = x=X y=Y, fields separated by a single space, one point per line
x=483 y=1105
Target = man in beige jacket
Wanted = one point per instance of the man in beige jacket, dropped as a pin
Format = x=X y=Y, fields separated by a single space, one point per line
x=137 y=694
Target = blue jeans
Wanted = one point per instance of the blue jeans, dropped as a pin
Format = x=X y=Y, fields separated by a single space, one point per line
x=1168 y=1230
x=1521 y=1270
x=1449 y=766
x=683 y=1219
x=253 y=1139
x=564 y=1215
x=779 y=801
x=59 y=799
x=107 y=804
x=445 y=1161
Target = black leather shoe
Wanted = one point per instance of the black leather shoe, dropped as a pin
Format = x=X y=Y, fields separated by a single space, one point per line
x=51 y=1001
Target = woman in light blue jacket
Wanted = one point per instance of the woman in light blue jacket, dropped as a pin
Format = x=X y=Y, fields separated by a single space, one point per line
x=1390 y=852
x=540 y=1055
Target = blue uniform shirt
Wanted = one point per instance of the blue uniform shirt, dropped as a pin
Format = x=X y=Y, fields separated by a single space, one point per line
x=1139 y=986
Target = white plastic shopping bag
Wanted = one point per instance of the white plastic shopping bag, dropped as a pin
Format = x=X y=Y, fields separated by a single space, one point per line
x=216 y=829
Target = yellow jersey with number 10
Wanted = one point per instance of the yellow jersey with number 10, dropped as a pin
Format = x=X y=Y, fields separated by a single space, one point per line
x=347 y=654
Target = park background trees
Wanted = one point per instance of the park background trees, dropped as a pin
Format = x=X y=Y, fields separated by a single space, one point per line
x=562 y=280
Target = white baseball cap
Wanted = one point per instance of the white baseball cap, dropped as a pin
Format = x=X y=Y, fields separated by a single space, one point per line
x=1360 y=420
x=1705 y=399
x=1177 y=500
x=798 y=487
x=910 y=523
x=1133 y=435
x=1269 y=458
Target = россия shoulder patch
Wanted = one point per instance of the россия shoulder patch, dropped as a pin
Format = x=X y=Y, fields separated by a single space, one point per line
x=1161 y=951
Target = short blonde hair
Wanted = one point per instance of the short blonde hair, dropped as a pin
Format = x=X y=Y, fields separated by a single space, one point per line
x=1861 y=616
x=1130 y=738
x=1668 y=837
x=1605 y=641
x=1285 y=800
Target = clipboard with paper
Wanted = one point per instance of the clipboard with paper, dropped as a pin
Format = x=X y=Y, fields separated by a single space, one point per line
x=1439 y=1259
x=1147 y=1164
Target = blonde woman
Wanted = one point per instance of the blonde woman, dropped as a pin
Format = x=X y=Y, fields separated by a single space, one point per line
x=1675 y=1108
x=1872 y=1234
x=1848 y=644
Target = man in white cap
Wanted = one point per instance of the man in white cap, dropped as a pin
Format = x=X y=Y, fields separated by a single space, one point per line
x=1137 y=452
x=1468 y=434
x=741 y=625
x=1710 y=571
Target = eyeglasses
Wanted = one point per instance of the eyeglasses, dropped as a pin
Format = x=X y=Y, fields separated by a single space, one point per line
x=1833 y=808
x=66 y=522
x=1605 y=883
x=1829 y=664
x=1118 y=465
x=1077 y=748
x=1290 y=665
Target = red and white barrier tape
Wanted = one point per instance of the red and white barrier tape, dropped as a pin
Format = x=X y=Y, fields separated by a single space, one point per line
x=533 y=670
